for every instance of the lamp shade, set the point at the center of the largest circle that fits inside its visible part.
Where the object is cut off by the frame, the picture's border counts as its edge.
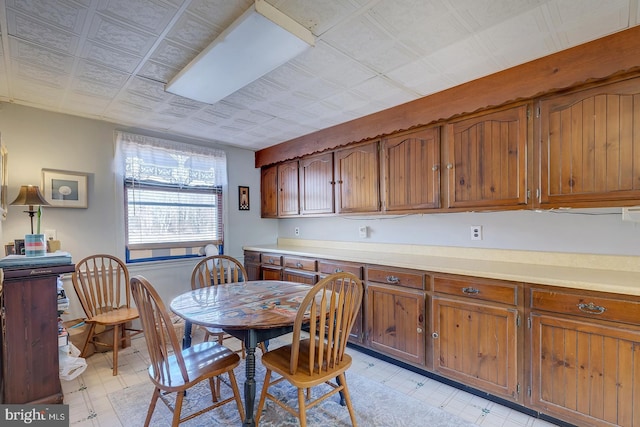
(30, 195)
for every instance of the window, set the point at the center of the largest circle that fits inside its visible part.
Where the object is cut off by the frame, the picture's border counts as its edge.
(172, 197)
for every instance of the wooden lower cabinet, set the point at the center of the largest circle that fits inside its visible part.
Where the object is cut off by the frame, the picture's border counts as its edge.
(252, 265)
(396, 321)
(476, 344)
(585, 373)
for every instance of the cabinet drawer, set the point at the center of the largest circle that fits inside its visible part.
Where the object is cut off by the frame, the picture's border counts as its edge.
(299, 263)
(271, 259)
(496, 291)
(252, 257)
(580, 304)
(327, 267)
(407, 278)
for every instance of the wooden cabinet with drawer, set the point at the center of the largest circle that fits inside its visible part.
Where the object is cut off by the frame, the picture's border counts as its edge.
(326, 267)
(476, 334)
(584, 355)
(271, 266)
(395, 313)
(299, 269)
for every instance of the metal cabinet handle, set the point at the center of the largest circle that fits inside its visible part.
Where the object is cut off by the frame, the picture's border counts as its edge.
(434, 168)
(419, 330)
(435, 335)
(271, 261)
(470, 291)
(449, 166)
(338, 270)
(298, 264)
(591, 308)
(393, 279)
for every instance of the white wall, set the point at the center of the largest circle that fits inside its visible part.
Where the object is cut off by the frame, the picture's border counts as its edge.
(593, 231)
(37, 139)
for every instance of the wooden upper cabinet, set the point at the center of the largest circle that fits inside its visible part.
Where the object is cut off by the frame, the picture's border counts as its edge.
(357, 179)
(487, 160)
(411, 170)
(590, 146)
(269, 192)
(288, 200)
(316, 184)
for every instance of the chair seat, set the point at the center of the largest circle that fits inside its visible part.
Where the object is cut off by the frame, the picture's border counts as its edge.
(115, 317)
(279, 360)
(200, 359)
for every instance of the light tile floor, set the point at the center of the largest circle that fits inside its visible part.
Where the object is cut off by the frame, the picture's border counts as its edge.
(90, 407)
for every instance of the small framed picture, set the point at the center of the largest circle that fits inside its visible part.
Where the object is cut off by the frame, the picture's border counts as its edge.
(18, 246)
(243, 198)
(9, 249)
(64, 189)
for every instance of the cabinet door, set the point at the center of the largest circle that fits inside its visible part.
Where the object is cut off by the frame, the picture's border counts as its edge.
(590, 146)
(586, 373)
(271, 273)
(269, 192)
(396, 322)
(326, 267)
(288, 201)
(299, 276)
(411, 171)
(316, 184)
(476, 344)
(487, 160)
(357, 179)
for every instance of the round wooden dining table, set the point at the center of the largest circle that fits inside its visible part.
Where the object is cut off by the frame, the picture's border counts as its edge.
(253, 311)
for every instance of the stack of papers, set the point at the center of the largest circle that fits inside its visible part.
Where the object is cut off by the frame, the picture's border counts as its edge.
(53, 258)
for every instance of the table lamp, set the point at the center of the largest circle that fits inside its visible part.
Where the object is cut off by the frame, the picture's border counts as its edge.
(30, 195)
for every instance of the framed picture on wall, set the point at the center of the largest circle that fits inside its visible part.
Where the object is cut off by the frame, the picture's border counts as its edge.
(64, 189)
(243, 198)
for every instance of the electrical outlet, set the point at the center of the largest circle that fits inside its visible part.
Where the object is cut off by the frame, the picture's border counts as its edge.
(364, 232)
(476, 232)
(296, 231)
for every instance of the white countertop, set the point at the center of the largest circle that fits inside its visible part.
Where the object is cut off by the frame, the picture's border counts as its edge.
(606, 273)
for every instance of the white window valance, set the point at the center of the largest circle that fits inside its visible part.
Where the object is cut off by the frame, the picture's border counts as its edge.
(159, 161)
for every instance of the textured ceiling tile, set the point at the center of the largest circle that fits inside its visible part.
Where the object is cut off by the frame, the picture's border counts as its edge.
(148, 15)
(40, 55)
(464, 61)
(421, 77)
(368, 43)
(381, 90)
(479, 14)
(289, 76)
(223, 109)
(92, 88)
(26, 28)
(141, 101)
(159, 72)
(39, 73)
(148, 88)
(600, 17)
(101, 74)
(423, 26)
(220, 13)
(328, 63)
(119, 35)
(173, 55)
(317, 16)
(110, 56)
(59, 13)
(194, 32)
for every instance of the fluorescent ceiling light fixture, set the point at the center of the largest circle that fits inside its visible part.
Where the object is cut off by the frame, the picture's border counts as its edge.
(261, 40)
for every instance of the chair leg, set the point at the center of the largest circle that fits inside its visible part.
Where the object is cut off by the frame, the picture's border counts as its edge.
(89, 339)
(263, 395)
(302, 408)
(347, 399)
(177, 409)
(152, 406)
(236, 394)
(116, 342)
(212, 387)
